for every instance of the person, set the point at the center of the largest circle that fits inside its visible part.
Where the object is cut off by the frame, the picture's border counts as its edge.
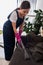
(15, 20)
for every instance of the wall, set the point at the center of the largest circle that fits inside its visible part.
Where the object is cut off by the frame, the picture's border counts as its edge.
(39, 4)
(6, 6)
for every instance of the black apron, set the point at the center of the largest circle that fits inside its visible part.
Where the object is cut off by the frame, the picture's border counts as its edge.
(9, 36)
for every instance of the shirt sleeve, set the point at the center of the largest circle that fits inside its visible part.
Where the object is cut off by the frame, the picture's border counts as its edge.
(13, 17)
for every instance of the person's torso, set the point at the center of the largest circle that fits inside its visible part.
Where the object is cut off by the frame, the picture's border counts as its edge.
(19, 20)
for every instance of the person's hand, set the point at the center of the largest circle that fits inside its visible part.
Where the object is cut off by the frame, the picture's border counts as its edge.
(18, 38)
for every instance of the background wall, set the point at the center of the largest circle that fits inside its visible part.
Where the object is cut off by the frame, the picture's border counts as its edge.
(39, 4)
(6, 6)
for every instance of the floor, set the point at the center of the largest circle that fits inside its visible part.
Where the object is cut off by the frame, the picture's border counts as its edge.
(2, 61)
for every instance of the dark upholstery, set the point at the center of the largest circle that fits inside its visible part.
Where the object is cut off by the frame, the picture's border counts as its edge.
(18, 59)
(34, 47)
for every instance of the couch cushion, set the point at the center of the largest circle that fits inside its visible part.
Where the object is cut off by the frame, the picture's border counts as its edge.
(18, 59)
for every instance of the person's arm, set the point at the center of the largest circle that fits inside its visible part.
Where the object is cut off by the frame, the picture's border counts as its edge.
(13, 19)
(16, 33)
(14, 27)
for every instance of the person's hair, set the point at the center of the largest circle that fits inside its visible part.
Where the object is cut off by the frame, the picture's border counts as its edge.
(25, 5)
